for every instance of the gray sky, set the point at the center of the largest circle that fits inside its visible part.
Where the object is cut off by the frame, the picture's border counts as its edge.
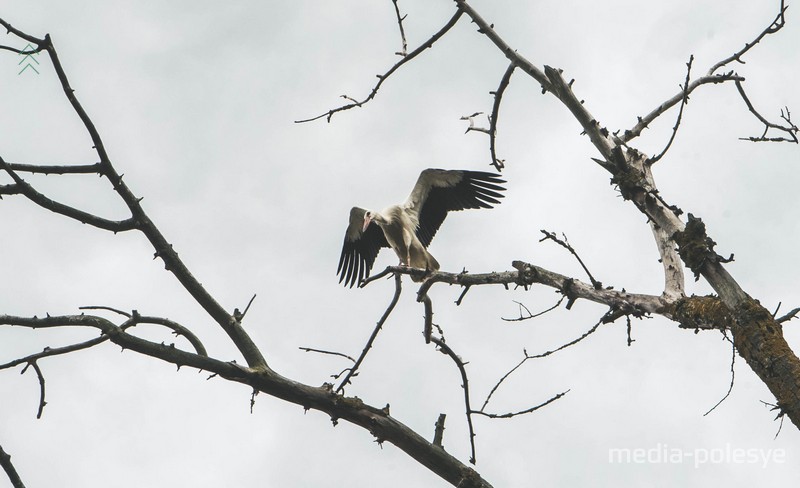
(196, 101)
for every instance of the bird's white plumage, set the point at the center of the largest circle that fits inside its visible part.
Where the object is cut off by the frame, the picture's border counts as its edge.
(409, 228)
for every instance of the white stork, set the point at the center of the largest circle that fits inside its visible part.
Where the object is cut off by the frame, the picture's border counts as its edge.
(409, 228)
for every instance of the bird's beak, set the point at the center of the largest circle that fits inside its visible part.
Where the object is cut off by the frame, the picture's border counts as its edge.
(367, 220)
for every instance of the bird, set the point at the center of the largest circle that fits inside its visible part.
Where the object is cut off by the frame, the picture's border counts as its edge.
(408, 228)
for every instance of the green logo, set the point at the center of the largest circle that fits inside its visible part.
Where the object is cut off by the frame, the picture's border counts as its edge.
(28, 59)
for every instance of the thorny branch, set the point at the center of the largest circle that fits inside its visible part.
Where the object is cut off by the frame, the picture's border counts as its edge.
(40, 376)
(354, 369)
(565, 244)
(381, 78)
(447, 350)
(322, 351)
(791, 129)
(533, 315)
(684, 101)
(400, 19)
(521, 412)
(710, 77)
(376, 420)
(498, 96)
(537, 356)
(139, 220)
(11, 471)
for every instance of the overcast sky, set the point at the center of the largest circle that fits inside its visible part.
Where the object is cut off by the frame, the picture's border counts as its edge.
(195, 102)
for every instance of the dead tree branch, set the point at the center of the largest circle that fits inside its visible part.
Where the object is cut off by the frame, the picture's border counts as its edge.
(533, 315)
(354, 369)
(733, 377)
(381, 78)
(521, 412)
(400, 19)
(710, 77)
(684, 101)
(139, 219)
(447, 350)
(791, 129)
(40, 376)
(565, 244)
(375, 420)
(11, 471)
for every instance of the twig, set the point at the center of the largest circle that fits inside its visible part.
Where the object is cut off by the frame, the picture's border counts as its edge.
(774, 27)
(103, 307)
(321, 351)
(521, 412)
(498, 96)
(643, 122)
(465, 385)
(65, 210)
(400, 20)
(463, 293)
(55, 351)
(398, 288)
(428, 328)
(541, 355)
(565, 244)
(176, 328)
(240, 315)
(8, 467)
(684, 101)
(781, 414)
(381, 78)
(733, 376)
(51, 169)
(530, 315)
(710, 77)
(791, 129)
(40, 376)
(788, 316)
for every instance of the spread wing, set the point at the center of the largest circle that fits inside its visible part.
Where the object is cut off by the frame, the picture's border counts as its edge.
(440, 191)
(359, 249)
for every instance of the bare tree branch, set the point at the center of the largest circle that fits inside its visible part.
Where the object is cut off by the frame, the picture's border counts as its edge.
(65, 210)
(684, 101)
(139, 219)
(56, 169)
(774, 27)
(447, 350)
(791, 129)
(521, 412)
(354, 369)
(381, 78)
(733, 377)
(498, 97)
(375, 420)
(40, 376)
(321, 351)
(565, 244)
(400, 19)
(533, 315)
(8, 467)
